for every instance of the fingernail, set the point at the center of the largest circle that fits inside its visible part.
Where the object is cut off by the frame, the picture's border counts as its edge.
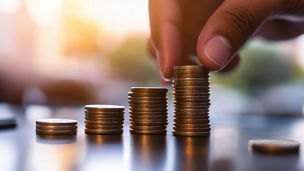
(218, 50)
(161, 66)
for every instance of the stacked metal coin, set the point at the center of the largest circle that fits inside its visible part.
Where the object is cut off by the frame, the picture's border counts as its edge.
(104, 119)
(148, 110)
(56, 126)
(191, 101)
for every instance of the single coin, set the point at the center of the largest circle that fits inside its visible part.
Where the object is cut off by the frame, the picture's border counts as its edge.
(156, 102)
(191, 126)
(200, 103)
(191, 83)
(147, 105)
(182, 116)
(149, 112)
(149, 120)
(275, 145)
(104, 112)
(99, 131)
(191, 134)
(56, 122)
(203, 129)
(96, 107)
(190, 75)
(160, 132)
(149, 89)
(74, 127)
(104, 126)
(103, 123)
(191, 121)
(92, 117)
(148, 116)
(185, 89)
(55, 132)
(181, 100)
(191, 95)
(141, 109)
(191, 111)
(203, 79)
(191, 107)
(159, 95)
(147, 98)
(140, 127)
(138, 123)
(190, 67)
(179, 72)
(104, 119)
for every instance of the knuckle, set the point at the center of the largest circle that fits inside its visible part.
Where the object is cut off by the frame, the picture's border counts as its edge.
(241, 18)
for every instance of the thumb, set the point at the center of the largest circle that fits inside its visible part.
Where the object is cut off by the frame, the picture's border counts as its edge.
(228, 29)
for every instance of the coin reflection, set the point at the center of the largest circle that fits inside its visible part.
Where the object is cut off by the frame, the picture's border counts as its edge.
(55, 139)
(148, 152)
(103, 139)
(191, 153)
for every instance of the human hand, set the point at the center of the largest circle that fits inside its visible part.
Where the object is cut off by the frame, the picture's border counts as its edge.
(215, 30)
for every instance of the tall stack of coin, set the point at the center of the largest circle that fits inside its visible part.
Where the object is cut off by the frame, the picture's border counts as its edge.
(104, 119)
(148, 110)
(191, 101)
(56, 126)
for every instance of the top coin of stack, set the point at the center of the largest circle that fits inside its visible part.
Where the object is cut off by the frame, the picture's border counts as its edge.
(56, 126)
(148, 110)
(191, 101)
(104, 119)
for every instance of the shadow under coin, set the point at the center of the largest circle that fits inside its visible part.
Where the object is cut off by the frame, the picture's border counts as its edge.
(148, 152)
(56, 139)
(191, 153)
(269, 161)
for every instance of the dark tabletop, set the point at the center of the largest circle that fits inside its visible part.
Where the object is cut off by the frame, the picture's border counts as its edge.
(225, 149)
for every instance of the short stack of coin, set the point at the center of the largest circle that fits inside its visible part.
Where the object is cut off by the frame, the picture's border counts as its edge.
(191, 101)
(148, 110)
(56, 126)
(104, 119)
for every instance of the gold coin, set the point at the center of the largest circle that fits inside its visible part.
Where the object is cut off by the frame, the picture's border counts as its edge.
(147, 98)
(104, 116)
(56, 122)
(148, 116)
(106, 127)
(109, 108)
(191, 126)
(142, 123)
(191, 121)
(194, 116)
(103, 122)
(190, 83)
(140, 127)
(275, 146)
(149, 90)
(159, 95)
(183, 129)
(105, 119)
(56, 132)
(190, 75)
(74, 127)
(146, 109)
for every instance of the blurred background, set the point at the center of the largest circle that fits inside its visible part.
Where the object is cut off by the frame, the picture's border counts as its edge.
(76, 52)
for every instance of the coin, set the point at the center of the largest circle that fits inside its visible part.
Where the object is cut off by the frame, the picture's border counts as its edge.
(183, 116)
(142, 123)
(97, 107)
(104, 119)
(159, 95)
(149, 90)
(181, 100)
(100, 131)
(275, 146)
(137, 127)
(203, 129)
(148, 116)
(191, 126)
(148, 120)
(103, 123)
(135, 109)
(190, 75)
(190, 83)
(106, 127)
(55, 132)
(191, 95)
(156, 102)
(200, 103)
(191, 121)
(191, 79)
(191, 134)
(57, 127)
(148, 105)
(103, 116)
(161, 132)
(56, 122)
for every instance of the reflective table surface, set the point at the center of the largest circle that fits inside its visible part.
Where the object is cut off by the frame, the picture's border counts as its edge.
(226, 148)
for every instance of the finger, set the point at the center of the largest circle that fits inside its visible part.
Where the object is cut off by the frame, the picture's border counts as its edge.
(280, 29)
(151, 48)
(228, 29)
(233, 64)
(164, 21)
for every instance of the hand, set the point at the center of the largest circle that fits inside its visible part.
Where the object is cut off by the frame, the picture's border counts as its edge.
(215, 30)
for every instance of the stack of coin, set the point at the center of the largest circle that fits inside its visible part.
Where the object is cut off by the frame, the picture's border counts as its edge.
(56, 126)
(148, 110)
(191, 101)
(104, 119)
